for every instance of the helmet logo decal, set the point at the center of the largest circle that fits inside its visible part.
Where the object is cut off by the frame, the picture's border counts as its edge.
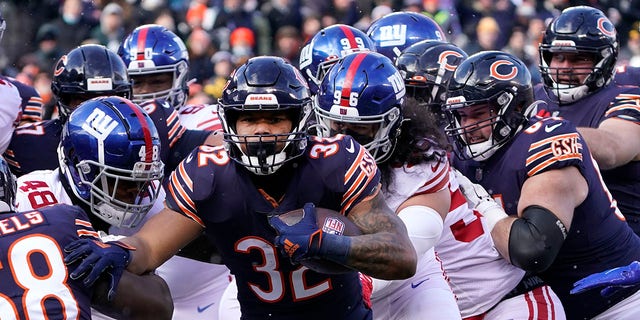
(398, 84)
(150, 151)
(605, 26)
(99, 125)
(346, 97)
(306, 56)
(503, 76)
(142, 40)
(261, 99)
(60, 66)
(99, 84)
(394, 35)
(349, 41)
(442, 59)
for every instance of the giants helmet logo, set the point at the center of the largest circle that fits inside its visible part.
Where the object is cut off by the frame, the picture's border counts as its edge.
(501, 75)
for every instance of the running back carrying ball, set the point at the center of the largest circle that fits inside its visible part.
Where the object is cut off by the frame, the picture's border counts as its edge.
(315, 238)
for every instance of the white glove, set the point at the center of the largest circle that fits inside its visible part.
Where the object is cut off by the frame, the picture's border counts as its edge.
(480, 200)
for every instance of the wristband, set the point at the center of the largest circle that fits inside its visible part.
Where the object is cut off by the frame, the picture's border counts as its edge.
(334, 248)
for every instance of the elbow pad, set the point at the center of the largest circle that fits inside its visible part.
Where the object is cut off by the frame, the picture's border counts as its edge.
(535, 239)
(424, 226)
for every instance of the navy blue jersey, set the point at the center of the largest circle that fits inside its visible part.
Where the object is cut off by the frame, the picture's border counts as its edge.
(31, 101)
(34, 146)
(598, 238)
(35, 280)
(219, 194)
(612, 101)
(627, 75)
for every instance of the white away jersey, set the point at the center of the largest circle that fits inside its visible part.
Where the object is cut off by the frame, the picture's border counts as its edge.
(478, 274)
(200, 117)
(10, 112)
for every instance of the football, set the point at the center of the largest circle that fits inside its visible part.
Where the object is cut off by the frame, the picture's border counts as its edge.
(329, 221)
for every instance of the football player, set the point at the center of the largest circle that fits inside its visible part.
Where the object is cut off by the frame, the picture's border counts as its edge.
(158, 64)
(485, 284)
(361, 96)
(109, 165)
(562, 223)
(35, 281)
(270, 166)
(578, 54)
(31, 102)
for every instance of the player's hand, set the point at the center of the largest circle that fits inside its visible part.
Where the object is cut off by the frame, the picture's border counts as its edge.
(611, 280)
(479, 200)
(301, 240)
(97, 257)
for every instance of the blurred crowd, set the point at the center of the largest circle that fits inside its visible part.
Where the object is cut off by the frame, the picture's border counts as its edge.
(221, 34)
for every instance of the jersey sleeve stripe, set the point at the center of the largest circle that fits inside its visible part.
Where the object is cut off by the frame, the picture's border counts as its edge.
(88, 233)
(550, 161)
(354, 166)
(84, 223)
(437, 183)
(634, 107)
(179, 190)
(536, 156)
(185, 177)
(626, 96)
(180, 201)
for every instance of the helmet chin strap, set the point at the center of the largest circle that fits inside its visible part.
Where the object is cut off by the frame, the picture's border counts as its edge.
(264, 154)
(568, 94)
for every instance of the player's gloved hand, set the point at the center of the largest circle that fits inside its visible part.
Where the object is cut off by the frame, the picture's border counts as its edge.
(301, 240)
(304, 240)
(367, 288)
(480, 200)
(612, 280)
(97, 257)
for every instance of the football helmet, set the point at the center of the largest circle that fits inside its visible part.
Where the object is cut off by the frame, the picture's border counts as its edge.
(152, 49)
(498, 81)
(7, 188)
(86, 72)
(396, 31)
(365, 90)
(326, 47)
(579, 30)
(265, 83)
(109, 153)
(426, 67)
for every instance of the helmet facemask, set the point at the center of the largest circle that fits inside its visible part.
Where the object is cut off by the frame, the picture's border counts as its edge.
(177, 92)
(264, 154)
(97, 185)
(562, 81)
(503, 118)
(385, 128)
